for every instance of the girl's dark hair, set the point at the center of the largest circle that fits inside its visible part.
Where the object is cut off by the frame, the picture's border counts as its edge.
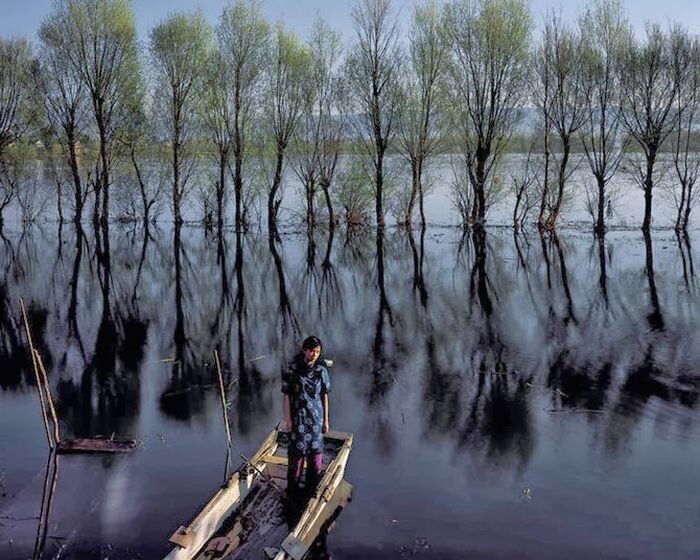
(311, 342)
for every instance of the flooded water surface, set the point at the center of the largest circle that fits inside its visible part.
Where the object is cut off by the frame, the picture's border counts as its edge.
(510, 396)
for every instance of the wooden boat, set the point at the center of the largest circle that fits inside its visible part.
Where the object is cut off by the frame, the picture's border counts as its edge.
(247, 518)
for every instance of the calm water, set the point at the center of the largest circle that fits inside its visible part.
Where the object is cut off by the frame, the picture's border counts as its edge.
(510, 397)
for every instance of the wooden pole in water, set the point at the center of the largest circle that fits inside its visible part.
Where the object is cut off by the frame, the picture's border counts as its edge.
(47, 389)
(46, 501)
(223, 397)
(39, 383)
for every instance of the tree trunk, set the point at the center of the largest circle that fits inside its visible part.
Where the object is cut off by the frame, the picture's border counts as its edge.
(380, 188)
(414, 193)
(77, 186)
(689, 199)
(272, 197)
(238, 191)
(104, 172)
(475, 204)
(681, 207)
(648, 187)
(176, 177)
(326, 191)
(237, 151)
(561, 184)
(600, 223)
(220, 190)
(421, 198)
(686, 239)
(482, 155)
(59, 184)
(96, 207)
(310, 212)
(541, 221)
(516, 208)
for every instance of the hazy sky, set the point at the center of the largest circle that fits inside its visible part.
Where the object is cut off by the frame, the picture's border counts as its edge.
(24, 16)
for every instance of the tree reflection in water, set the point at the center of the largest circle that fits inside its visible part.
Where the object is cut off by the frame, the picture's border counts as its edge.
(479, 340)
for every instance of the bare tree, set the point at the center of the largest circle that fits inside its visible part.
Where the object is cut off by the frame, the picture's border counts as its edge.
(541, 93)
(686, 156)
(180, 48)
(560, 97)
(217, 113)
(523, 178)
(138, 142)
(461, 192)
(65, 102)
(372, 73)
(102, 49)
(242, 34)
(16, 105)
(605, 32)
(354, 192)
(286, 90)
(650, 86)
(318, 139)
(331, 113)
(487, 75)
(32, 196)
(420, 133)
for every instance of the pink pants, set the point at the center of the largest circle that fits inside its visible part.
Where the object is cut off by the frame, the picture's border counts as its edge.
(313, 469)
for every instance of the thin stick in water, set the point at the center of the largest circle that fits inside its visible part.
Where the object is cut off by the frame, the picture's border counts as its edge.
(39, 384)
(47, 390)
(223, 397)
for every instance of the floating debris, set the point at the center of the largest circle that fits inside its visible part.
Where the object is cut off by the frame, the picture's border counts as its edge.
(574, 409)
(422, 543)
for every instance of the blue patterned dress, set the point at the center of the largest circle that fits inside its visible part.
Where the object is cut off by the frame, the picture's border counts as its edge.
(306, 387)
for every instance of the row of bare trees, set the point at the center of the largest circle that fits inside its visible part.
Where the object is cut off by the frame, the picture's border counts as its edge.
(626, 101)
(258, 105)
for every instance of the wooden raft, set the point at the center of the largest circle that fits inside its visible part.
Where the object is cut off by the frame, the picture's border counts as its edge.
(246, 519)
(96, 445)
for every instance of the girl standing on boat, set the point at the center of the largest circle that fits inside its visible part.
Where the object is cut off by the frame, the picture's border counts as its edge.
(305, 385)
